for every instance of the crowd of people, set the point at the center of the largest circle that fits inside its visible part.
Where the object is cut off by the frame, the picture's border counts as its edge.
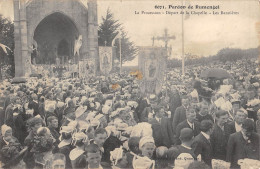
(106, 122)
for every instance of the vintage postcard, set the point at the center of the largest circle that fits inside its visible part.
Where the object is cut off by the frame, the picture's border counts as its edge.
(136, 84)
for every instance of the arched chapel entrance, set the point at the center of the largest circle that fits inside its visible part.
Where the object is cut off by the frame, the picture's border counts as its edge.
(55, 36)
(53, 26)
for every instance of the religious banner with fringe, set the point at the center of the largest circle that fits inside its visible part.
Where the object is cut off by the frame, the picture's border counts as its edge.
(105, 59)
(152, 64)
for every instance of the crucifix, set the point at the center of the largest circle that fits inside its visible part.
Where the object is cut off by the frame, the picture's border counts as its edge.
(166, 38)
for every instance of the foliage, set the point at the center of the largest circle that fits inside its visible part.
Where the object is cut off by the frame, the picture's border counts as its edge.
(7, 38)
(109, 30)
(224, 55)
(128, 49)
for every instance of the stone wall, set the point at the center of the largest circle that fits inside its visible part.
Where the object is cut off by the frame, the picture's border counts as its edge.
(37, 10)
(29, 14)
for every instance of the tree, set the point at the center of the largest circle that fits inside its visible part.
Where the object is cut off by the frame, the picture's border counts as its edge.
(108, 31)
(128, 49)
(7, 38)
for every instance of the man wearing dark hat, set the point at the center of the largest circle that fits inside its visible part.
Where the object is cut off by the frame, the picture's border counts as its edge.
(243, 144)
(201, 143)
(186, 137)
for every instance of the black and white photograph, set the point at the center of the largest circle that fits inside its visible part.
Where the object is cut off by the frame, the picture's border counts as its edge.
(129, 84)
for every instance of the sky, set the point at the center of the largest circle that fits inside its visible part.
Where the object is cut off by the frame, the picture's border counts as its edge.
(204, 35)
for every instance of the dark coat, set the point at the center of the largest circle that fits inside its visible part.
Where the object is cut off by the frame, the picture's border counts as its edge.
(174, 103)
(19, 130)
(29, 156)
(2, 116)
(179, 116)
(55, 134)
(69, 110)
(239, 148)
(6, 102)
(219, 140)
(175, 151)
(66, 151)
(202, 146)
(41, 110)
(110, 144)
(130, 158)
(162, 132)
(257, 126)
(230, 128)
(9, 152)
(142, 104)
(2, 142)
(9, 115)
(35, 106)
(183, 125)
(144, 115)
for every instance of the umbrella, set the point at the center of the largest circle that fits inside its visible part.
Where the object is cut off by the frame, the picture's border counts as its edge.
(215, 73)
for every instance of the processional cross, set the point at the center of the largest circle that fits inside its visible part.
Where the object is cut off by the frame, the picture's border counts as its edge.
(166, 38)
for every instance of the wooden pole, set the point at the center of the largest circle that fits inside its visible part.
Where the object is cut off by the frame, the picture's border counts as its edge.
(183, 58)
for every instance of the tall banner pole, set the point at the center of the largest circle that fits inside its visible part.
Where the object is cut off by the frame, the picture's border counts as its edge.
(182, 27)
(120, 54)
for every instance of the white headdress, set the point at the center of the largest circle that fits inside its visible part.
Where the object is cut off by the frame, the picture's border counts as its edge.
(5, 128)
(143, 163)
(116, 155)
(145, 140)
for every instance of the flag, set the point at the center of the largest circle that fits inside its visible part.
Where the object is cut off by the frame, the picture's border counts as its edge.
(35, 45)
(4, 47)
(78, 43)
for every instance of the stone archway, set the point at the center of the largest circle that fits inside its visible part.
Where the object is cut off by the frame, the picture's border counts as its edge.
(30, 19)
(55, 36)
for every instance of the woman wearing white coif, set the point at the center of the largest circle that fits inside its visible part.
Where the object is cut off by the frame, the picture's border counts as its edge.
(65, 145)
(77, 157)
(147, 147)
(118, 158)
(9, 146)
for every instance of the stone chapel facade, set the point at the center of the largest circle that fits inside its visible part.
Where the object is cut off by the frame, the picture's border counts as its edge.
(54, 25)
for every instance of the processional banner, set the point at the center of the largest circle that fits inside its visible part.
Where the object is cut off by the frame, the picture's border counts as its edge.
(152, 64)
(105, 59)
(90, 67)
